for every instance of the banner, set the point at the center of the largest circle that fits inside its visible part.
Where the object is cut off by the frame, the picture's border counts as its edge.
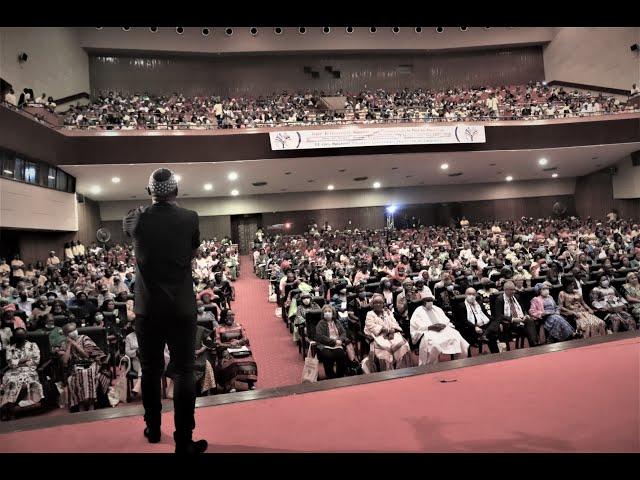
(376, 136)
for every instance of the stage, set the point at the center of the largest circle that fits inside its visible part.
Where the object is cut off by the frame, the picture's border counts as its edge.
(571, 397)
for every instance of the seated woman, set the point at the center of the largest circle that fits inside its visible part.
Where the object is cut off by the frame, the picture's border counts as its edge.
(59, 309)
(47, 324)
(88, 376)
(332, 342)
(123, 297)
(607, 300)
(203, 371)
(20, 380)
(632, 294)
(388, 347)
(236, 369)
(544, 309)
(436, 334)
(306, 303)
(572, 304)
(85, 309)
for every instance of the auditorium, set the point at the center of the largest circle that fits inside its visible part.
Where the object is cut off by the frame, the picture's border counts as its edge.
(319, 239)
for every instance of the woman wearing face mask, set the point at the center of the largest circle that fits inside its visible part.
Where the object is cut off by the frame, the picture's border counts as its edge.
(573, 305)
(57, 339)
(20, 383)
(83, 362)
(332, 340)
(386, 292)
(544, 309)
(305, 305)
(632, 294)
(607, 300)
(236, 368)
(389, 347)
(431, 328)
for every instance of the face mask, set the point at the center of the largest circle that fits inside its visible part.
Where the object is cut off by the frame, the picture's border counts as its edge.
(327, 315)
(306, 301)
(471, 298)
(604, 283)
(73, 335)
(49, 326)
(387, 285)
(450, 288)
(544, 292)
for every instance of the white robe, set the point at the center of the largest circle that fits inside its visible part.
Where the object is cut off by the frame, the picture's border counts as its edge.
(447, 340)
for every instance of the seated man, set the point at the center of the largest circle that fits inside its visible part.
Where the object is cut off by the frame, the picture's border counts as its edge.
(511, 316)
(482, 327)
(236, 368)
(389, 347)
(436, 334)
(87, 374)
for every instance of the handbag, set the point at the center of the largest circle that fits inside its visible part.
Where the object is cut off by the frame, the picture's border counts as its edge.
(278, 311)
(121, 383)
(310, 370)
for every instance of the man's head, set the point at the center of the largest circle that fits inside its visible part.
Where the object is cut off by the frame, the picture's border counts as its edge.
(509, 288)
(470, 294)
(163, 185)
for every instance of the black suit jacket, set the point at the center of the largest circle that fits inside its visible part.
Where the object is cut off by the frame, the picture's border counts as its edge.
(498, 313)
(164, 237)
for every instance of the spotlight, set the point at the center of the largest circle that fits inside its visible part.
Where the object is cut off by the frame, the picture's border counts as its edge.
(278, 30)
(115, 179)
(228, 32)
(330, 187)
(208, 186)
(444, 166)
(302, 30)
(392, 209)
(205, 31)
(326, 30)
(232, 176)
(439, 29)
(235, 192)
(287, 225)
(543, 161)
(253, 31)
(376, 184)
(509, 178)
(179, 30)
(373, 29)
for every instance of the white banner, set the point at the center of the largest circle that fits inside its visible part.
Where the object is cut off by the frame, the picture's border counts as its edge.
(372, 137)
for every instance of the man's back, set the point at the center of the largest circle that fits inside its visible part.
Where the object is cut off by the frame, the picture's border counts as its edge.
(164, 236)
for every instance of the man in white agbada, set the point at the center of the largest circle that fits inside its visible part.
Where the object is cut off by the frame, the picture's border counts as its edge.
(431, 327)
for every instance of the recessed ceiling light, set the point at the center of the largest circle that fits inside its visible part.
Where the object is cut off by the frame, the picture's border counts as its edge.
(376, 184)
(287, 173)
(394, 168)
(444, 166)
(329, 187)
(208, 186)
(178, 178)
(509, 178)
(9, 172)
(95, 189)
(555, 175)
(232, 176)
(543, 161)
(235, 192)
(51, 177)
(115, 179)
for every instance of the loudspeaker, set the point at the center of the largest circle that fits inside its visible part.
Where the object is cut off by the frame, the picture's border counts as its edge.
(635, 159)
(635, 47)
(80, 197)
(23, 57)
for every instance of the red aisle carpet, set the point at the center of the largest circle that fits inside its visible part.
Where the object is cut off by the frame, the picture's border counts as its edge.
(279, 362)
(578, 400)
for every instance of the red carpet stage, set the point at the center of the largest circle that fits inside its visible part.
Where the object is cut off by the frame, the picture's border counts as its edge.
(582, 399)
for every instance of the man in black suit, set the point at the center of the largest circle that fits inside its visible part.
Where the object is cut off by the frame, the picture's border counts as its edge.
(478, 325)
(511, 315)
(166, 238)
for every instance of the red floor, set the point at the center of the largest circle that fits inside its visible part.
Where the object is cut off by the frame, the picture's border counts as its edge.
(578, 400)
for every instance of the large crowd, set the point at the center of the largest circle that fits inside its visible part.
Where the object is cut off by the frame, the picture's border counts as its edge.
(380, 300)
(68, 339)
(536, 100)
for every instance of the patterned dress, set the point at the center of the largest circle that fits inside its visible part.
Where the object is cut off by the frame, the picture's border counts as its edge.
(633, 292)
(22, 376)
(87, 376)
(607, 298)
(234, 371)
(555, 324)
(587, 323)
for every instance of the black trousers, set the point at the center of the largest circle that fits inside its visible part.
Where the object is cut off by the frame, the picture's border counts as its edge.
(491, 330)
(330, 357)
(153, 331)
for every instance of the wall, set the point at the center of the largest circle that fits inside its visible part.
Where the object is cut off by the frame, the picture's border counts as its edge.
(192, 40)
(594, 197)
(626, 184)
(261, 75)
(594, 56)
(88, 221)
(356, 198)
(57, 65)
(30, 207)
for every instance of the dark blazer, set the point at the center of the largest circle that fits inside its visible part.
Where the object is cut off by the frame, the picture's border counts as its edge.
(164, 237)
(498, 313)
(322, 334)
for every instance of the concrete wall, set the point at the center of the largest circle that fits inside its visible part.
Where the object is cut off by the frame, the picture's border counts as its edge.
(594, 56)
(30, 207)
(57, 64)
(356, 198)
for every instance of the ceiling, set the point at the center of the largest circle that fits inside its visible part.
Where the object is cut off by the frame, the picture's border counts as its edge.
(393, 170)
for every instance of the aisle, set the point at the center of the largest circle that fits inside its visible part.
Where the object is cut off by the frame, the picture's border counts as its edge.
(279, 362)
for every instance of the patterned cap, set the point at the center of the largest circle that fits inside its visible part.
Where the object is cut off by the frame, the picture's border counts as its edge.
(162, 182)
